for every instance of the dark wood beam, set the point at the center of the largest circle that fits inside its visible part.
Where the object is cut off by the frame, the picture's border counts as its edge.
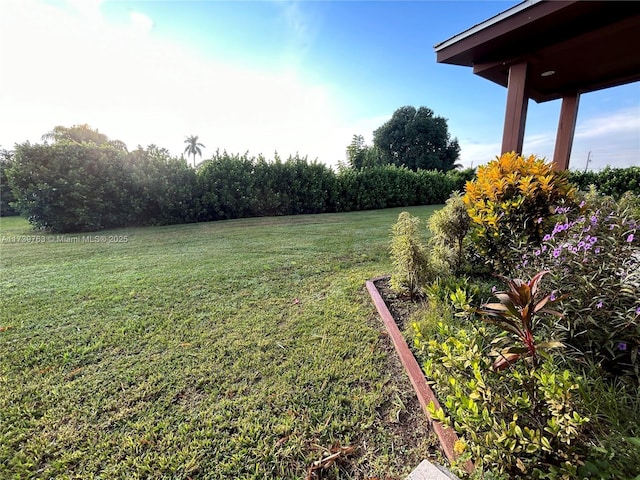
(517, 103)
(566, 130)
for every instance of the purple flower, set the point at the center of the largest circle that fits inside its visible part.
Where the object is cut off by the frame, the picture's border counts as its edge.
(598, 250)
(553, 297)
(539, 219)
(599, 305)
(594, 219)
(537, 253)
(556, 252)
(630, 238)
(582, 204)
(593, 240)
(493, 289)
(638, 311)
(621, 346)
(612, 226)
(546, 238)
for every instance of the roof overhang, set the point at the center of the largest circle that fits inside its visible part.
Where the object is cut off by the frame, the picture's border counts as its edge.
(588, 45)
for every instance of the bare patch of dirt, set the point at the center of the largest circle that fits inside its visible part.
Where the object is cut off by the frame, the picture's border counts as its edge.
(400, 307)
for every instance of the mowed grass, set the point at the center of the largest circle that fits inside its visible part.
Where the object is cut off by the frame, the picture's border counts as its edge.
(236, 349)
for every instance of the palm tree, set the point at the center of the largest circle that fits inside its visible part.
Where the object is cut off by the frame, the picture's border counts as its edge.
(193, 147)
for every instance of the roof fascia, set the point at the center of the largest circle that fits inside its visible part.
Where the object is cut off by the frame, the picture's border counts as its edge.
(486, 24)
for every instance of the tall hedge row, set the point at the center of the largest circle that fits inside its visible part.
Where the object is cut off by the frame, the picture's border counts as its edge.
(6, 195)
(609, 181)
(234, 186)
(72, 187)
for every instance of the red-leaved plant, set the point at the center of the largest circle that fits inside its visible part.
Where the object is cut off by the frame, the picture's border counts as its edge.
(517, 311)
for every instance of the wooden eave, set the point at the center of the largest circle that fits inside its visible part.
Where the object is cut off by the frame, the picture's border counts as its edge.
(589, 45)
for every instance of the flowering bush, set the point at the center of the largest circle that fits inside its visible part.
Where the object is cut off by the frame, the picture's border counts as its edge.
(593, 253)
(509, 205)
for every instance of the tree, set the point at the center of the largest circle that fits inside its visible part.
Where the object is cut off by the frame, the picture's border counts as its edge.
(360, 155)
(81, 134)
(193, 147)
(417, 139)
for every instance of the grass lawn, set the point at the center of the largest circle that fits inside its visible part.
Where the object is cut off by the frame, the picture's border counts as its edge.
(236, 349)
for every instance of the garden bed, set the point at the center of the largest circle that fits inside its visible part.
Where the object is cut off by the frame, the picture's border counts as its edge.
(395, 312)
(532, 330)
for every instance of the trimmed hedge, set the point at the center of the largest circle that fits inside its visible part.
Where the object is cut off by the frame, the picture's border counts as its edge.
(6, 195)
(237, 186)
(72, 187)
(610, 181)
(75, 187)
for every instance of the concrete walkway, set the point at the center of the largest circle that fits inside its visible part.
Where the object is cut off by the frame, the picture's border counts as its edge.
(429, 471)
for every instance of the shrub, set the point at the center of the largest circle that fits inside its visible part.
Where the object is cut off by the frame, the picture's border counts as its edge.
(594, 256)
(614, 436)
(449, 227)
(515, 423)
(408, 256)
(227, 187)
(509, 205)
(517, 313)
(609, 181)
(461, 177)
(73, 187)
(6, 195)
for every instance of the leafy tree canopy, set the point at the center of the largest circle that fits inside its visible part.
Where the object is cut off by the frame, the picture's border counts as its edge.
(81, 134)
(360, 155)
(417, 139)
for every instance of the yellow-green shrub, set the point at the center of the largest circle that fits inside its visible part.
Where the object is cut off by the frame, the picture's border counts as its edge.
(449, 227)
(408, 256)
(509, 203)
(515, 424)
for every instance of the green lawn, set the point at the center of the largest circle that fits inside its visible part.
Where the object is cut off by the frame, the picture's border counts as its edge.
(235, 349)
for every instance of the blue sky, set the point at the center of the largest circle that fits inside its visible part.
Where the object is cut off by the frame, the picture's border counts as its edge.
(291, 76)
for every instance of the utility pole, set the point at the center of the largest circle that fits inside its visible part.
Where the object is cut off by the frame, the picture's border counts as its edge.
(588, 162)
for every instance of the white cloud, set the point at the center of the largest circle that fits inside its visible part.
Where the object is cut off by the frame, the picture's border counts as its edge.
(622, 122)
(62, 68)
